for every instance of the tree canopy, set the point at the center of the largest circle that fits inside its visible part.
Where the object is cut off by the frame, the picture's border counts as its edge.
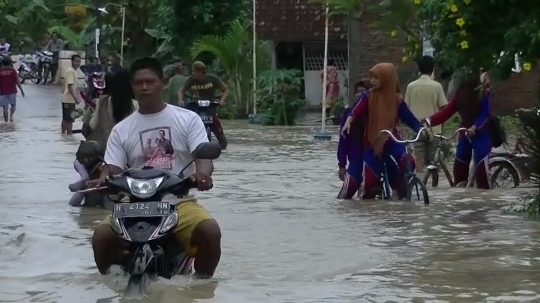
(494, 35)
(152, 27)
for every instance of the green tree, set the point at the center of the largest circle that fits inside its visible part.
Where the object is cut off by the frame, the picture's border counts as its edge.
(352, 10)
(234, 51)
(470, 35)
(196, 18)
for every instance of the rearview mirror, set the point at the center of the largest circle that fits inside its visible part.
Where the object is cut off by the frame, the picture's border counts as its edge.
(207, 151)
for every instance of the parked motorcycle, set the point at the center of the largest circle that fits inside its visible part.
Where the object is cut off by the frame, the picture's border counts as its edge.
(28, 70)
(146, 222)
(45, 59)
(207, 110)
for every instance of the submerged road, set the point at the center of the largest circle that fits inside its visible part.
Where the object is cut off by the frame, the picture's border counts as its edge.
(285, 236)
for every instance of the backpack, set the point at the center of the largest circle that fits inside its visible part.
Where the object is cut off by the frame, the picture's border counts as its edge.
(496, 132)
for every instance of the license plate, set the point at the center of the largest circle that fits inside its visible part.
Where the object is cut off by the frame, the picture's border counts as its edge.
(207, 119)
(141, 209)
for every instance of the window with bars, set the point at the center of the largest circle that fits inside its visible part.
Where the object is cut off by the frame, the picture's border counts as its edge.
(315, 60)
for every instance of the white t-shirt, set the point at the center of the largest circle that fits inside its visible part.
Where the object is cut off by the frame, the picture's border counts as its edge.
(5, 47)
(162, 140)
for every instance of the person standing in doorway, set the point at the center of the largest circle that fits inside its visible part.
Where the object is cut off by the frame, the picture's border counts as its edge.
(425, 97)
(71, 92)
(9, 81)
(332, 84)
(55, 45)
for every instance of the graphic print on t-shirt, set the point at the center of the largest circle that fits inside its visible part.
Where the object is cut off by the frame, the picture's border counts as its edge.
(157, 148)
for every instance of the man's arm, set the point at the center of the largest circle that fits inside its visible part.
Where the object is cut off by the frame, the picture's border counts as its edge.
(18, 82)
(48, 46)
(115, 155)
(441, 98)
(223, 88)
(183, 89)
(196, 133)
(408, 95)
(71, 80)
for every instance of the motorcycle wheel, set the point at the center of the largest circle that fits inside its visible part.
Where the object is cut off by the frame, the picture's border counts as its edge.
(209, 134)
(46, 75)
(136, 285)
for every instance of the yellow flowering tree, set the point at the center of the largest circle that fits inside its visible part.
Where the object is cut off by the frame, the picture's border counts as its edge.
(489, 35)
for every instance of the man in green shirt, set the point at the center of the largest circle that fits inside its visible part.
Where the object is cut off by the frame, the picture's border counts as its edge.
(174, 85)
(203, 86)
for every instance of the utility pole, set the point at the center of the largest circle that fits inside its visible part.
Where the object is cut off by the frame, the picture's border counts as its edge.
(98, 34)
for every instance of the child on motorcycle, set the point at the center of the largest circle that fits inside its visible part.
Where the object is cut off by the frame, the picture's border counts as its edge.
(472, 101)
(382, 107)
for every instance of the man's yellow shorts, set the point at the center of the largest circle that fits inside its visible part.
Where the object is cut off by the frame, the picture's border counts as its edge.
(190, 214)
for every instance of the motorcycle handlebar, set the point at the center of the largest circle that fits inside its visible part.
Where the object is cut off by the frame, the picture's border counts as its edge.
(191, 183)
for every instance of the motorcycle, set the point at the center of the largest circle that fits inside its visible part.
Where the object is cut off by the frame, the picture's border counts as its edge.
(28, 69)
(45, 59)
(94, 82)
(146, 222)
(207, 110)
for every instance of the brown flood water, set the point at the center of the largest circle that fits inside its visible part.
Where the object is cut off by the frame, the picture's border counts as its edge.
(285, 236)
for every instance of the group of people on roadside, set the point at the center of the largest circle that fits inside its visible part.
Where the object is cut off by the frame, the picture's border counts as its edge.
(363, 151)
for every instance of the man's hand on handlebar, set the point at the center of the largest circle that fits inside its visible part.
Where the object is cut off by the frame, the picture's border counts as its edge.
(181, 103)
(204, 181)
(95, 183)
(222, 102)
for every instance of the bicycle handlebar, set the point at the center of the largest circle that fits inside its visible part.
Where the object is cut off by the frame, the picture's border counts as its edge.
(453, 135)
(403, 141)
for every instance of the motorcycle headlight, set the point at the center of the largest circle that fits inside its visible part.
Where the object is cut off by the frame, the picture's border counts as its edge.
(204, 103)
(170, 223)
(143, 188)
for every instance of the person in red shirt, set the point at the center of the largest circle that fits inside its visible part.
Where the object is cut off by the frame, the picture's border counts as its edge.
(9, 81)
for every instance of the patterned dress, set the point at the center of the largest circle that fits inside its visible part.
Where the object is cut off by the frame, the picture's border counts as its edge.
(332, 84)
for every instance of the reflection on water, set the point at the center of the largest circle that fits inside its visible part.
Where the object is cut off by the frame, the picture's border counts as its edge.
(285, 237)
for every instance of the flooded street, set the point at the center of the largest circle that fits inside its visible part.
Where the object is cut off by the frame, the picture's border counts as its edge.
(285, 236)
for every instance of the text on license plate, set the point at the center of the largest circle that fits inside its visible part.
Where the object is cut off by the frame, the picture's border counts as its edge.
(207, 119)
(141, 209)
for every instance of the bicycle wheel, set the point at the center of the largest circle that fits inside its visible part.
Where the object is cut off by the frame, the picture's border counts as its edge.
(503, 175)
(417, 190)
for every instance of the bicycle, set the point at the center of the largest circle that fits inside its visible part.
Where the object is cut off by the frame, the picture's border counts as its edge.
(496, 163)
(411, 182)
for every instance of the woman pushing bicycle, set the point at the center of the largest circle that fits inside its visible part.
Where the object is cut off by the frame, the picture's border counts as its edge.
(381, 108)
(472, 101)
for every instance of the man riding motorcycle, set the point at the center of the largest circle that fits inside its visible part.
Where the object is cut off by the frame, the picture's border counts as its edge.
(135, 142)
(203, 86)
